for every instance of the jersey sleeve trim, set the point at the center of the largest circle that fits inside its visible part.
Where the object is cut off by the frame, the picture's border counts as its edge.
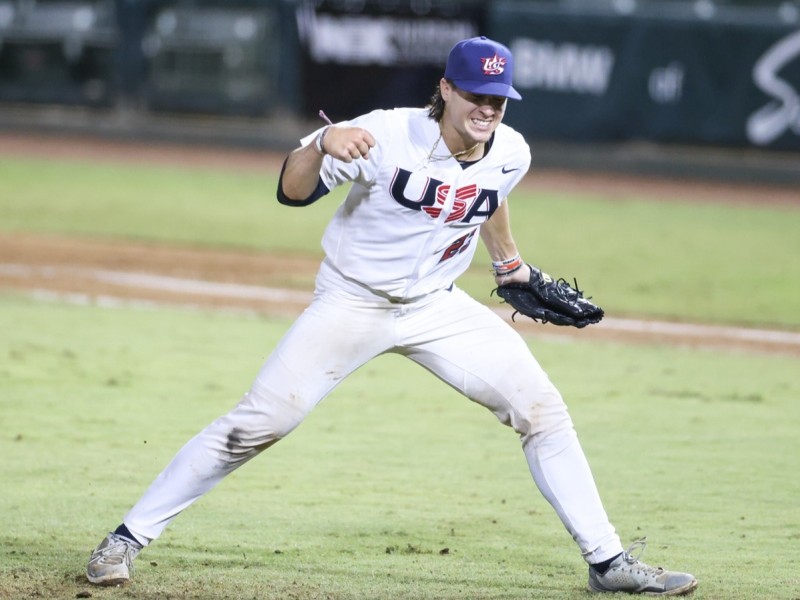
(318, 193)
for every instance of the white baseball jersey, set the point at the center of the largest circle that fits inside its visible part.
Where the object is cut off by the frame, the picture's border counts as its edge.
(410, 222)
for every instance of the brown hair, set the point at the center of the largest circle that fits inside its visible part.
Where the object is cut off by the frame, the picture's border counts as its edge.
(436, 106)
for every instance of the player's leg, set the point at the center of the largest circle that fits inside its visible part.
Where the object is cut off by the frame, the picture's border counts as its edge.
(475, 351)
(331, 339)
(327, 343)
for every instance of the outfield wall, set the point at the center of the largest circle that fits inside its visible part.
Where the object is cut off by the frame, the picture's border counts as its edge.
(663, 73)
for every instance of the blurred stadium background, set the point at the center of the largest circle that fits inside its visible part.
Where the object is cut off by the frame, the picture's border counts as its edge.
(707, 88)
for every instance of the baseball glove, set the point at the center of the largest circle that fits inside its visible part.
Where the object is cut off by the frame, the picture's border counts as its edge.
(550, 301)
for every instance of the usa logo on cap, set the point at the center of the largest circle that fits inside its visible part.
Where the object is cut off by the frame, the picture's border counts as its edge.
(494, 65)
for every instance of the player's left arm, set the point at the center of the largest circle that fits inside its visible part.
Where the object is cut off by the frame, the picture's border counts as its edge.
(528, 290)
(496, 236)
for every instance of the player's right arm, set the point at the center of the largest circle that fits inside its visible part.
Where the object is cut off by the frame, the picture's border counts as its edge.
(300, 182)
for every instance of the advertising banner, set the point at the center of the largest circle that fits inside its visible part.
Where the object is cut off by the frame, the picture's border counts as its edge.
(609, 77)
(365, 55)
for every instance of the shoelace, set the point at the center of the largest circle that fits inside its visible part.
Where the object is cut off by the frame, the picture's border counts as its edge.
(631, 559)
(120, 547)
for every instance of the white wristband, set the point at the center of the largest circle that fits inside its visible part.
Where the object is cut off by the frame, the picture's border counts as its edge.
(319, 140)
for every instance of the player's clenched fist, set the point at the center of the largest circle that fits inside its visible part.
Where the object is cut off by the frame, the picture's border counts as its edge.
(301, 171)
(346, 143)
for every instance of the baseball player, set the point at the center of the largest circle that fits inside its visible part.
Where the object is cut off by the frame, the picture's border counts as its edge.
(425, 183)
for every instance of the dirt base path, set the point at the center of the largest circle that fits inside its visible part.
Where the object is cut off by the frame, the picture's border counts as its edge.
(114, 273)
(109, 272)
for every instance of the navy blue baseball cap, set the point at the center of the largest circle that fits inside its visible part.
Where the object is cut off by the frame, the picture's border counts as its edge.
(482, 66)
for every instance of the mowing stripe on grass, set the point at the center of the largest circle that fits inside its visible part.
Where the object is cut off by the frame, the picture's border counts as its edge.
(269, 294)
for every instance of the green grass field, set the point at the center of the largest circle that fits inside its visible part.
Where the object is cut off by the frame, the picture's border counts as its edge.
(703, 262)
(396, 487)
(697, 450)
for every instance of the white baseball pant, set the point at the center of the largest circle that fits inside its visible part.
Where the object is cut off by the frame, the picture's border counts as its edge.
(449, 333)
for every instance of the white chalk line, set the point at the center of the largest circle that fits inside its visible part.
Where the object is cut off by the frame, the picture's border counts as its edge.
(238, 291)
(157, 282)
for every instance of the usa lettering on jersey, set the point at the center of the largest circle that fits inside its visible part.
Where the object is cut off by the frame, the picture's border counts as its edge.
(470, 200)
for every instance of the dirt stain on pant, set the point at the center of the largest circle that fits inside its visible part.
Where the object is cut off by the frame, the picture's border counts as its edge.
(237, 446)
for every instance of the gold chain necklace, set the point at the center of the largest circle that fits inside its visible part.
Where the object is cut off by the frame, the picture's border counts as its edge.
(432, 158)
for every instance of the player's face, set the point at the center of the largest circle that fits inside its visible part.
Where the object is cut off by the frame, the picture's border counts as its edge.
(473, 117)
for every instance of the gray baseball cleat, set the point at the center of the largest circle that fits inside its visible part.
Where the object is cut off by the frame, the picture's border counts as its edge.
(628, 574)
(112, 561)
